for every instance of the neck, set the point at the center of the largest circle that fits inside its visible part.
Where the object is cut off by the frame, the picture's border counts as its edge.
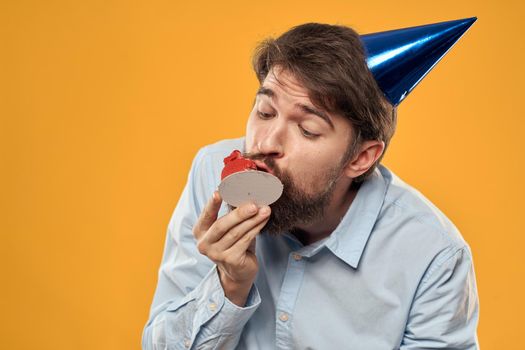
(334, 212)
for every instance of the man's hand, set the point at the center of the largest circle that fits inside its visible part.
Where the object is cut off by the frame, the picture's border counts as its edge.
(230, 243)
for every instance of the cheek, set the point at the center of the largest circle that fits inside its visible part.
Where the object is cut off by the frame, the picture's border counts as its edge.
(311, 169)
(301, 175)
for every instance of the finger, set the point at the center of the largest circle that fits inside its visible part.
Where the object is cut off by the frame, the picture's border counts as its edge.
(230, 220)
(208, 215)
(239, 248)
(241, 229)
(251, 247)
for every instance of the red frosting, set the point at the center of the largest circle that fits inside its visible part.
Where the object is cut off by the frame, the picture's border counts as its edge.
(235, 163)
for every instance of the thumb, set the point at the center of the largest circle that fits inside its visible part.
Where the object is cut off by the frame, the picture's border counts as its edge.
(209, 214)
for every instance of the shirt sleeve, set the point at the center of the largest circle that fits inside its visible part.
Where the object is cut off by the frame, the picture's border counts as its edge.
(189, 308)
(444, 313)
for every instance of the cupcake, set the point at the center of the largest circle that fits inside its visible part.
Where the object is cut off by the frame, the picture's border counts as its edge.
(242, 182)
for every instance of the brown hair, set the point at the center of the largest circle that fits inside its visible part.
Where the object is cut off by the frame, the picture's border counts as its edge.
(329, 60)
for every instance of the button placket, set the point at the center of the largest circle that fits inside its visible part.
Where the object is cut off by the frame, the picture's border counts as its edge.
(292, 282)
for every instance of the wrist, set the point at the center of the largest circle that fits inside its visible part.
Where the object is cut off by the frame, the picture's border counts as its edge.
(236, 292)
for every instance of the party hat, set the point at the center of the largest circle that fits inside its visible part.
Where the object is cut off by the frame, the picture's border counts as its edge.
(400, 59)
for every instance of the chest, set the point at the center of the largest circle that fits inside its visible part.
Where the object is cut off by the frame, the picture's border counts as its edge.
(320, 302)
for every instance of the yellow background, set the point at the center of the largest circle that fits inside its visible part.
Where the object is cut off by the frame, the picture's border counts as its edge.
(103, 105)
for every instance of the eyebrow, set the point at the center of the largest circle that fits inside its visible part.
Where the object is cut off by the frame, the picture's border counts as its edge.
(306, 109)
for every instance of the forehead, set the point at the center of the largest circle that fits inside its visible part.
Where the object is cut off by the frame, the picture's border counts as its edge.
(284, 83)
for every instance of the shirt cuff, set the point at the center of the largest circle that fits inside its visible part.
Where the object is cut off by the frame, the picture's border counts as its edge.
(216, 313)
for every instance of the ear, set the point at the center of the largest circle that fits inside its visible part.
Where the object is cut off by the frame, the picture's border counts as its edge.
(368, 153)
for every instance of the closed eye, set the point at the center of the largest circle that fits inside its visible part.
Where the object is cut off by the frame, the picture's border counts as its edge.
(308, 134)
(263, 115)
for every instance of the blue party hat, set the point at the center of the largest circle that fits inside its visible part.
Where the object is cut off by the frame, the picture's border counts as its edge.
(400, 59)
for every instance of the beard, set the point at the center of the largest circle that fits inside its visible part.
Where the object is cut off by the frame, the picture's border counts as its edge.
(295, 206)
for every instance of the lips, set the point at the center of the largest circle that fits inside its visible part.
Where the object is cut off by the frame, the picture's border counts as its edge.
(263, 167)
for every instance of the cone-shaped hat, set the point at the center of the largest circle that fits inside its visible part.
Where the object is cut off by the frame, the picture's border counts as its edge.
(400, 58)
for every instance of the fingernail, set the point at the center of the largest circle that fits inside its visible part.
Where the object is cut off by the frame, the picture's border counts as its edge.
(264, 211)
(251, 209)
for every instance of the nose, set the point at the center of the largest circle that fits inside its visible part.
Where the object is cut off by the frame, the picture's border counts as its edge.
(271, 141)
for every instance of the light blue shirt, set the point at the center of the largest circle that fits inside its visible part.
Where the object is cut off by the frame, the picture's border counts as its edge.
(395, 274)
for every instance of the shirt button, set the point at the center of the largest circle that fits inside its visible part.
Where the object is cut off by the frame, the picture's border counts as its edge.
(297, 257)
(212, 306)
(284, 317)
(187, 343)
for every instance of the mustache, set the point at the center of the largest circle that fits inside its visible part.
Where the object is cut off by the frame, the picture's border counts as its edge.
(270, 162)
(254, 156)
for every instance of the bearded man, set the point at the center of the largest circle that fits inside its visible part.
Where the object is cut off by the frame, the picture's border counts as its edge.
(349, 257)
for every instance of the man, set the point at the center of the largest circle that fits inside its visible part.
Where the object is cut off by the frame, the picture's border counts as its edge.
(350, 257)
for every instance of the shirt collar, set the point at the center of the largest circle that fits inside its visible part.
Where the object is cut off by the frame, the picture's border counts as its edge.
(349, 239)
